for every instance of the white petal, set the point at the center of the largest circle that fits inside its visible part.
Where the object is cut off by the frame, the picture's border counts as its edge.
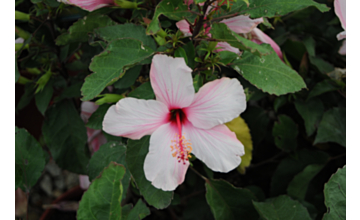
(242, 24)
(184, 27)
(341, 35)
(161, 168)
(342, 49)
(217, 147)
(171, 81)
(87, 108)
(225, 46)
(135, 118)
(217, 102)
(340, 11)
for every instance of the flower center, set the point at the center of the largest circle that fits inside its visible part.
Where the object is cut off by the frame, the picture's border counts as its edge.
(180, 147)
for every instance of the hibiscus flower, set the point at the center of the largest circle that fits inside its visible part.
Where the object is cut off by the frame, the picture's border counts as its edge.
(91, 5)
(241, 24)
(181, 122)
(340, 11)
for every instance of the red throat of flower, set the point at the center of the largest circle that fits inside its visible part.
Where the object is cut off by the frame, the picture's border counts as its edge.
(180, 147)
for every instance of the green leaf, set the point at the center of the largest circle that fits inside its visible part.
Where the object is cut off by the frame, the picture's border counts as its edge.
(29, 159)
(129, 78)
(322, 65)
(227, 57)
(279, 102)
(190, 54)
(311, 111)
(173, 9)
(26, 97)
(144, 91)
(271, 8)
(69, 92)
(197, 82)
(242, 132)
(292, 165)
(65, 135)
(103, 198)
(135, 157)
(109, 65)
(221, 32)
(140, 211)
(109, 152)
(335, 196)
(285, 132)
(228, 202)
(332, 127)
(17, 73)
(79, 31)
(299, 185)
(282, 208)
(96, 118)
(180, 52)
(321, 88)
(269, 73)
(43, 98)
(258, 121)
(128, 30)
(199, 1)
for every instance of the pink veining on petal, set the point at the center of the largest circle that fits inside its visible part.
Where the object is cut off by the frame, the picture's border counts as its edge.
(217, 102)
(184, 27)
(340, 11)
(171, 81)
(91, 5)
(242, 23)
(342, 49)
(260, 37)
(161, 168)
(224, 46)
(135, 118)
(217, 147)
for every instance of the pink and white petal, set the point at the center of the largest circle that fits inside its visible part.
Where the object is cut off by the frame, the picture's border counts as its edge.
(184, 27)
(161, 168)
(84, 182)
(91, 5)
(242, 24)
(262, 37)
(342, 49)
(171, 81)
(217, 102)
(217, 147)
(87, 108)
(96, 139)
(135, 118)
(225, 46)
(340, 11)
(19, 40)
(341, 35)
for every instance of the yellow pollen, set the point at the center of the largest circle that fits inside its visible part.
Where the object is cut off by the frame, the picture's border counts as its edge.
(181, 147)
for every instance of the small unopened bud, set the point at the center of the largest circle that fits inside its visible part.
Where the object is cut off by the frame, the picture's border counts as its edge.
(126, 4)
(212, 45)
(22, 80)
(41, 83)
(21, 16)
(23, 34)
(108, 98)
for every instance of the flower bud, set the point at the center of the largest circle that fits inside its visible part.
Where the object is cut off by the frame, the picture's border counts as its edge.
(41, 83)
(108, 98)
(21, 16)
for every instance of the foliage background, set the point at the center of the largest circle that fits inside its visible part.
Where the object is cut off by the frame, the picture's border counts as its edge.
(298, 139)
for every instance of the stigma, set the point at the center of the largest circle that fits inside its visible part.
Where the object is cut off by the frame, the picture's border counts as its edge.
(180, 147)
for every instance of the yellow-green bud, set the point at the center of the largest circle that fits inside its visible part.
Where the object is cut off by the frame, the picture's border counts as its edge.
(21, 16)
(41, 83)
(108, 98)
(22, 80)
(126, 4)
